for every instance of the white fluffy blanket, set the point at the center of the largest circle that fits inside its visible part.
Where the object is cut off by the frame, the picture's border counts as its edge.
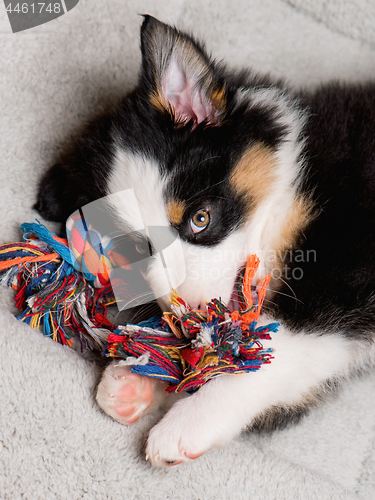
(353, 18)
(55, 443)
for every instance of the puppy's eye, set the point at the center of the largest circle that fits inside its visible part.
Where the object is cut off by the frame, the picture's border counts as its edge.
(199, 221)
(144, 247)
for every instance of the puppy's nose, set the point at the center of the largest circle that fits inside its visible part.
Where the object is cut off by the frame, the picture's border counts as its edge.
(194, 304)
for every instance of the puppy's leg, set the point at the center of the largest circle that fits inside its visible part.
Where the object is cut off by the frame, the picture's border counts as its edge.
(226, 405)
(126, 396)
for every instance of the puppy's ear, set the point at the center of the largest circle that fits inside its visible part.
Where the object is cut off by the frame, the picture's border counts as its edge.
(179, 76)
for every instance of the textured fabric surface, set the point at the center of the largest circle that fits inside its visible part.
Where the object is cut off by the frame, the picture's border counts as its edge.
(354, 18)
(55, 443)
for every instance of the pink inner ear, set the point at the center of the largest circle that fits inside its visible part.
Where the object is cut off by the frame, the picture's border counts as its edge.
(185, 96)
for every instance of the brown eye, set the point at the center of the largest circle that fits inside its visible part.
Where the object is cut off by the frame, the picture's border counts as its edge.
(199, 221)
(143, 247)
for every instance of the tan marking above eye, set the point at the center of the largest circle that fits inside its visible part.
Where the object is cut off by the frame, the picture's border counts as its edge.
(254, 174)
(175, 211)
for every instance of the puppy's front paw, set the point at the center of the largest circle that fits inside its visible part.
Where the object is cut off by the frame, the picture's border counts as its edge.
(180, 436)
(126, 396)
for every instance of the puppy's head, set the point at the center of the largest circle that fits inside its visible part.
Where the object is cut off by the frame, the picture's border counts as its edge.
(214, 157)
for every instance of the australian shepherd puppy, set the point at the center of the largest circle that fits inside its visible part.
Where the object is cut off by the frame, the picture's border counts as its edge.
(237, 164)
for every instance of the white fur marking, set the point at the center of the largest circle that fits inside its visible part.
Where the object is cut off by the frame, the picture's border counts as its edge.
(146, 209)
(142, 175)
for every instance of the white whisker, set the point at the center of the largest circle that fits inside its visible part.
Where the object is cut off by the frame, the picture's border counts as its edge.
(286, 295)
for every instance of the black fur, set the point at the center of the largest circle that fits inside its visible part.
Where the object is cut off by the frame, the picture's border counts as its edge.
(80, 176)
(337, 290)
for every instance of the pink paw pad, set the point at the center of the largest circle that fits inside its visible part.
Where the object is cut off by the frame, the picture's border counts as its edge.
(124, 395)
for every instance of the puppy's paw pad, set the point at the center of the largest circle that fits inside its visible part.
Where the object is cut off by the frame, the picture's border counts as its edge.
(123, 395)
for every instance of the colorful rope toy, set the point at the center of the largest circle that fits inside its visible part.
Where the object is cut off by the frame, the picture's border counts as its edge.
(63, 289)
(55, 294)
